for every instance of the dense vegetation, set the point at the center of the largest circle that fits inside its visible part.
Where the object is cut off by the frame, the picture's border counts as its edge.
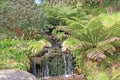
(89, 28)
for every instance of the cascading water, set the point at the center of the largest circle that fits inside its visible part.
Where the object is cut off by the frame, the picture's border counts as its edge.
(34, 68)
(46, 73)
(53, 63)
(67, 65)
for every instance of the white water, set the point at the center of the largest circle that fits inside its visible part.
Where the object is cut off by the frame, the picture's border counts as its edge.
(67, 75)
(65, 65)
(68, 65)
(55, 66)
(46, 69)
(34, 69)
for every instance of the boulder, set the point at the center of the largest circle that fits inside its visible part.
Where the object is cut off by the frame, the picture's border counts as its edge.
(14, 74)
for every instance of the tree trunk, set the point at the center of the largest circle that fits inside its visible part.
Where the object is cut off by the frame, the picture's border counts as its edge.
(101, 3)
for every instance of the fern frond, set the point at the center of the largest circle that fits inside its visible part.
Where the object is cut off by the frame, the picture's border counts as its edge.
(73, 24)
(94, 31)
(115, 44)
(75, 44)
(110, 40)
(114, 30)
(107, 48)
(96, 54)
(83, 45)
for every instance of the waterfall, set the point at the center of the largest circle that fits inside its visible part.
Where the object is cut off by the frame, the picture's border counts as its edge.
(53, 64)
(58, 64)
(34, 68)
(67, 65)
(46, 74)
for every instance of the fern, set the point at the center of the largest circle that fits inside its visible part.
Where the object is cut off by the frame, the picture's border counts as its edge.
(95, 54)
(93, 35)
(73, 24)
(95, 31)
(107, 48)
(114, 30)
(111, 40)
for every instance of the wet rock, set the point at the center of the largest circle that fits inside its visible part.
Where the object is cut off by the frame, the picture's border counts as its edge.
(13, 74)
(72, 77)
(38, 60)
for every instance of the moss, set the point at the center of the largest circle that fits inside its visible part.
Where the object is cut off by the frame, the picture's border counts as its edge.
(70, 44)
(36, 47)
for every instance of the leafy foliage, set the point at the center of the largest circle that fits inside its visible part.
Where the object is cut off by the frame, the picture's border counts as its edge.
(96, 39)
(24, 18)
(12, 54)
(88, 34)
(63, 14)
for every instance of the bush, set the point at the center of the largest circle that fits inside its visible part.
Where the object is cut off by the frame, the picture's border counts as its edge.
(12, 53)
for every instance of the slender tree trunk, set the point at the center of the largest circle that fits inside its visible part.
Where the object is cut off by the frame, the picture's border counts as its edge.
(101, 3)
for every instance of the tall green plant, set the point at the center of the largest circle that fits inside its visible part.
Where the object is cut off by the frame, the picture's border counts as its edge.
(101, 38)
(66, 18)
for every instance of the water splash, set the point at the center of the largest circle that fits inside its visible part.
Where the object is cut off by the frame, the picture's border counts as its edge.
(67, 75)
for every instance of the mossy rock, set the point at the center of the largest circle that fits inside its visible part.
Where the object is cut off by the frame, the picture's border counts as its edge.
(36, 48)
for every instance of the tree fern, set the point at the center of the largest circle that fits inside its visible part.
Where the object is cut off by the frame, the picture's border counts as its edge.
(90, 30)
(94, 38)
